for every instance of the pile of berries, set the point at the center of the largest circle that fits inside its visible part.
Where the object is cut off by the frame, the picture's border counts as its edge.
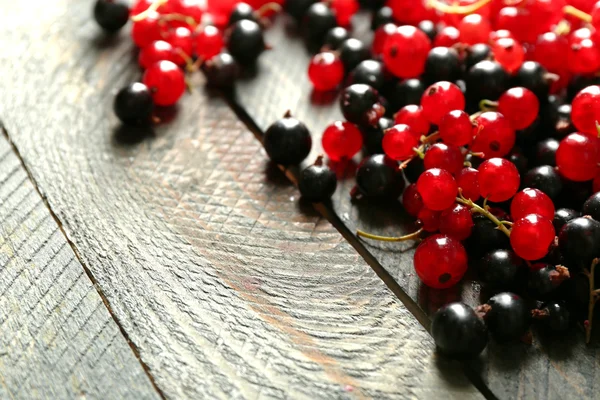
(483, 125)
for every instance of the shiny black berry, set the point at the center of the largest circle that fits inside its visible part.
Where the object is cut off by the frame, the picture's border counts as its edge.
(442, 64)
(383, 16)
(533, 76)
(378, 176)
(507, 316)
(477, 53)
(554, 315)
(373, 135)
(545, 152)
(242, 11)
(111, 15)
(318, 20)
(335, 37)
(246, 42)
(544, 178)
(133, 104)
(591, 206)
(545, 279)
(352, 52)
(458, 331)
(221, 71)
(361, 105)
(580, 82)
(298, 8)
(563, 124)
(485, 237)
(486, 80)
(579, 242)
(317, 183)
(287, 141)
(369, 72)
(502, 269)
(428, 28)
(562, 216)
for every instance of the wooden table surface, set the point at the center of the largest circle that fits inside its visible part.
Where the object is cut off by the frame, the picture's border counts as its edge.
(183, 265)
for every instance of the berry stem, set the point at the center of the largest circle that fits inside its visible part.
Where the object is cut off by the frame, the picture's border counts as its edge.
(165, 19)
(477, 209)
(488, 105)
(570, 10)
(268, 7)
(144, 14)
(592, 301)
(412, 236)
(455, 8)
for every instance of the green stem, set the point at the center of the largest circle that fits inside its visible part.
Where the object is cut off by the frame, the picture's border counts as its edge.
(475, 208)
(412, 236)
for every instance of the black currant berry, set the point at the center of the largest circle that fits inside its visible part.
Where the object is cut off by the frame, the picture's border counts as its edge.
(111, 15)
(502, 269)
(352, 52)
(579, 242)
(405, 93)
(246, 42)
(414, 169)
(507, 316)
(317, 183)
(544, 178)
(428, 28)
(242, 11)
(298, 8)
(373, 135)
(133, 104)
(562, 216)
(545, 152)
(563, 124)
(485, 237)
(574, 194)
(335, 37)
(361, 105)
(533, 76)
(383, 16)
(520, 161)
(372, 4)
(545, 279)
(591, 206)
(486, 80)
(458, 331)
(287, 141)
(477, 53)
(554, 315)
(318, 20)
(221, 71)
(580, 82)
(368, 72)
(378, 176)
(442, 64)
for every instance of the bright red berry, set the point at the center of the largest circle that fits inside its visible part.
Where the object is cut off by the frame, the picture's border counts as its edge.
(456, 222)
(411, 200)
(208, 42)
(189, 8)
(166, 81)
(447, 37)
(520, 106)
(509, 53)
(456, 128)
(531, 236)
(405, 52)
(429, 219)
(146, 31)
(344, 10)
(515, 20)
(220, 10)
(531, 201)
(498, 179)
(583, 57)
(577, 157)
(467, 180)
(446, 157)
(494, 137)
(550, 51)
(399, 142)
(440, 261)
(326, 71)
(413, 116)
(437, 188)
(183, 45)
(411, 12)
(499, 34)
(341, 140)
(585, 110)
(381, 36)
(474, 29)
(155, 52)
(441, 98)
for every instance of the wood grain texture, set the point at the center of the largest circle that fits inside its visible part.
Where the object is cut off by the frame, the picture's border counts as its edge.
(226, 285)
(553, 368)
(57, 339)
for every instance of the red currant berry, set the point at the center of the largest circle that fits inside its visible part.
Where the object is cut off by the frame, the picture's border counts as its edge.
(550, 51)
(577, 157)
(166, 81)
(326, 71)
(183, 45)
(344, 10)
(515, 20)
(447, 37)
(146, 31)
(437, 188)
(220, 10)
(341, 140)
(499, 34)
(583, 57)
(498, 179)
(456, 222)
(456, 128)
(467, 180)
(429, 219)
(585, 110)
(580, 34)
(411, 12)
(411, 200)
(509, 53)
(142, 5)
(446, 157)
(188, 8)
(155, 52)
(495, 136)
(413, 116)
(520, 106)
(208, 42)
(474, 29)
(381, 36)
(399, 142)
(531, 237)
(441, 98)
(405, 52)
(440, 261)
(531, 201)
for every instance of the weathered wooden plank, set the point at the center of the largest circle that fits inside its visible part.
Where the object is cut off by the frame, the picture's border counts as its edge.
(511, 371)
(57, 339)
(228, 287)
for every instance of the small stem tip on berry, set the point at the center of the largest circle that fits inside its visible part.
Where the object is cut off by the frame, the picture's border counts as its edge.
(144, 14)
(455, 8)
(413, 236)
(570, 10)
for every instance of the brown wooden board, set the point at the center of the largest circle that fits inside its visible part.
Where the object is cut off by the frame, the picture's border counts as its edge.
(57, 339)
(553, 369)
(226, 284)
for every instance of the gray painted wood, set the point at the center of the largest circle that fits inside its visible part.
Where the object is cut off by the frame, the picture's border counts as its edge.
(227, 285)
(57, 339)
(556, 368)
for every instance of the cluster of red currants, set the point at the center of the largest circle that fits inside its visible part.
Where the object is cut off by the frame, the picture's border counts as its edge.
(494, 123)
